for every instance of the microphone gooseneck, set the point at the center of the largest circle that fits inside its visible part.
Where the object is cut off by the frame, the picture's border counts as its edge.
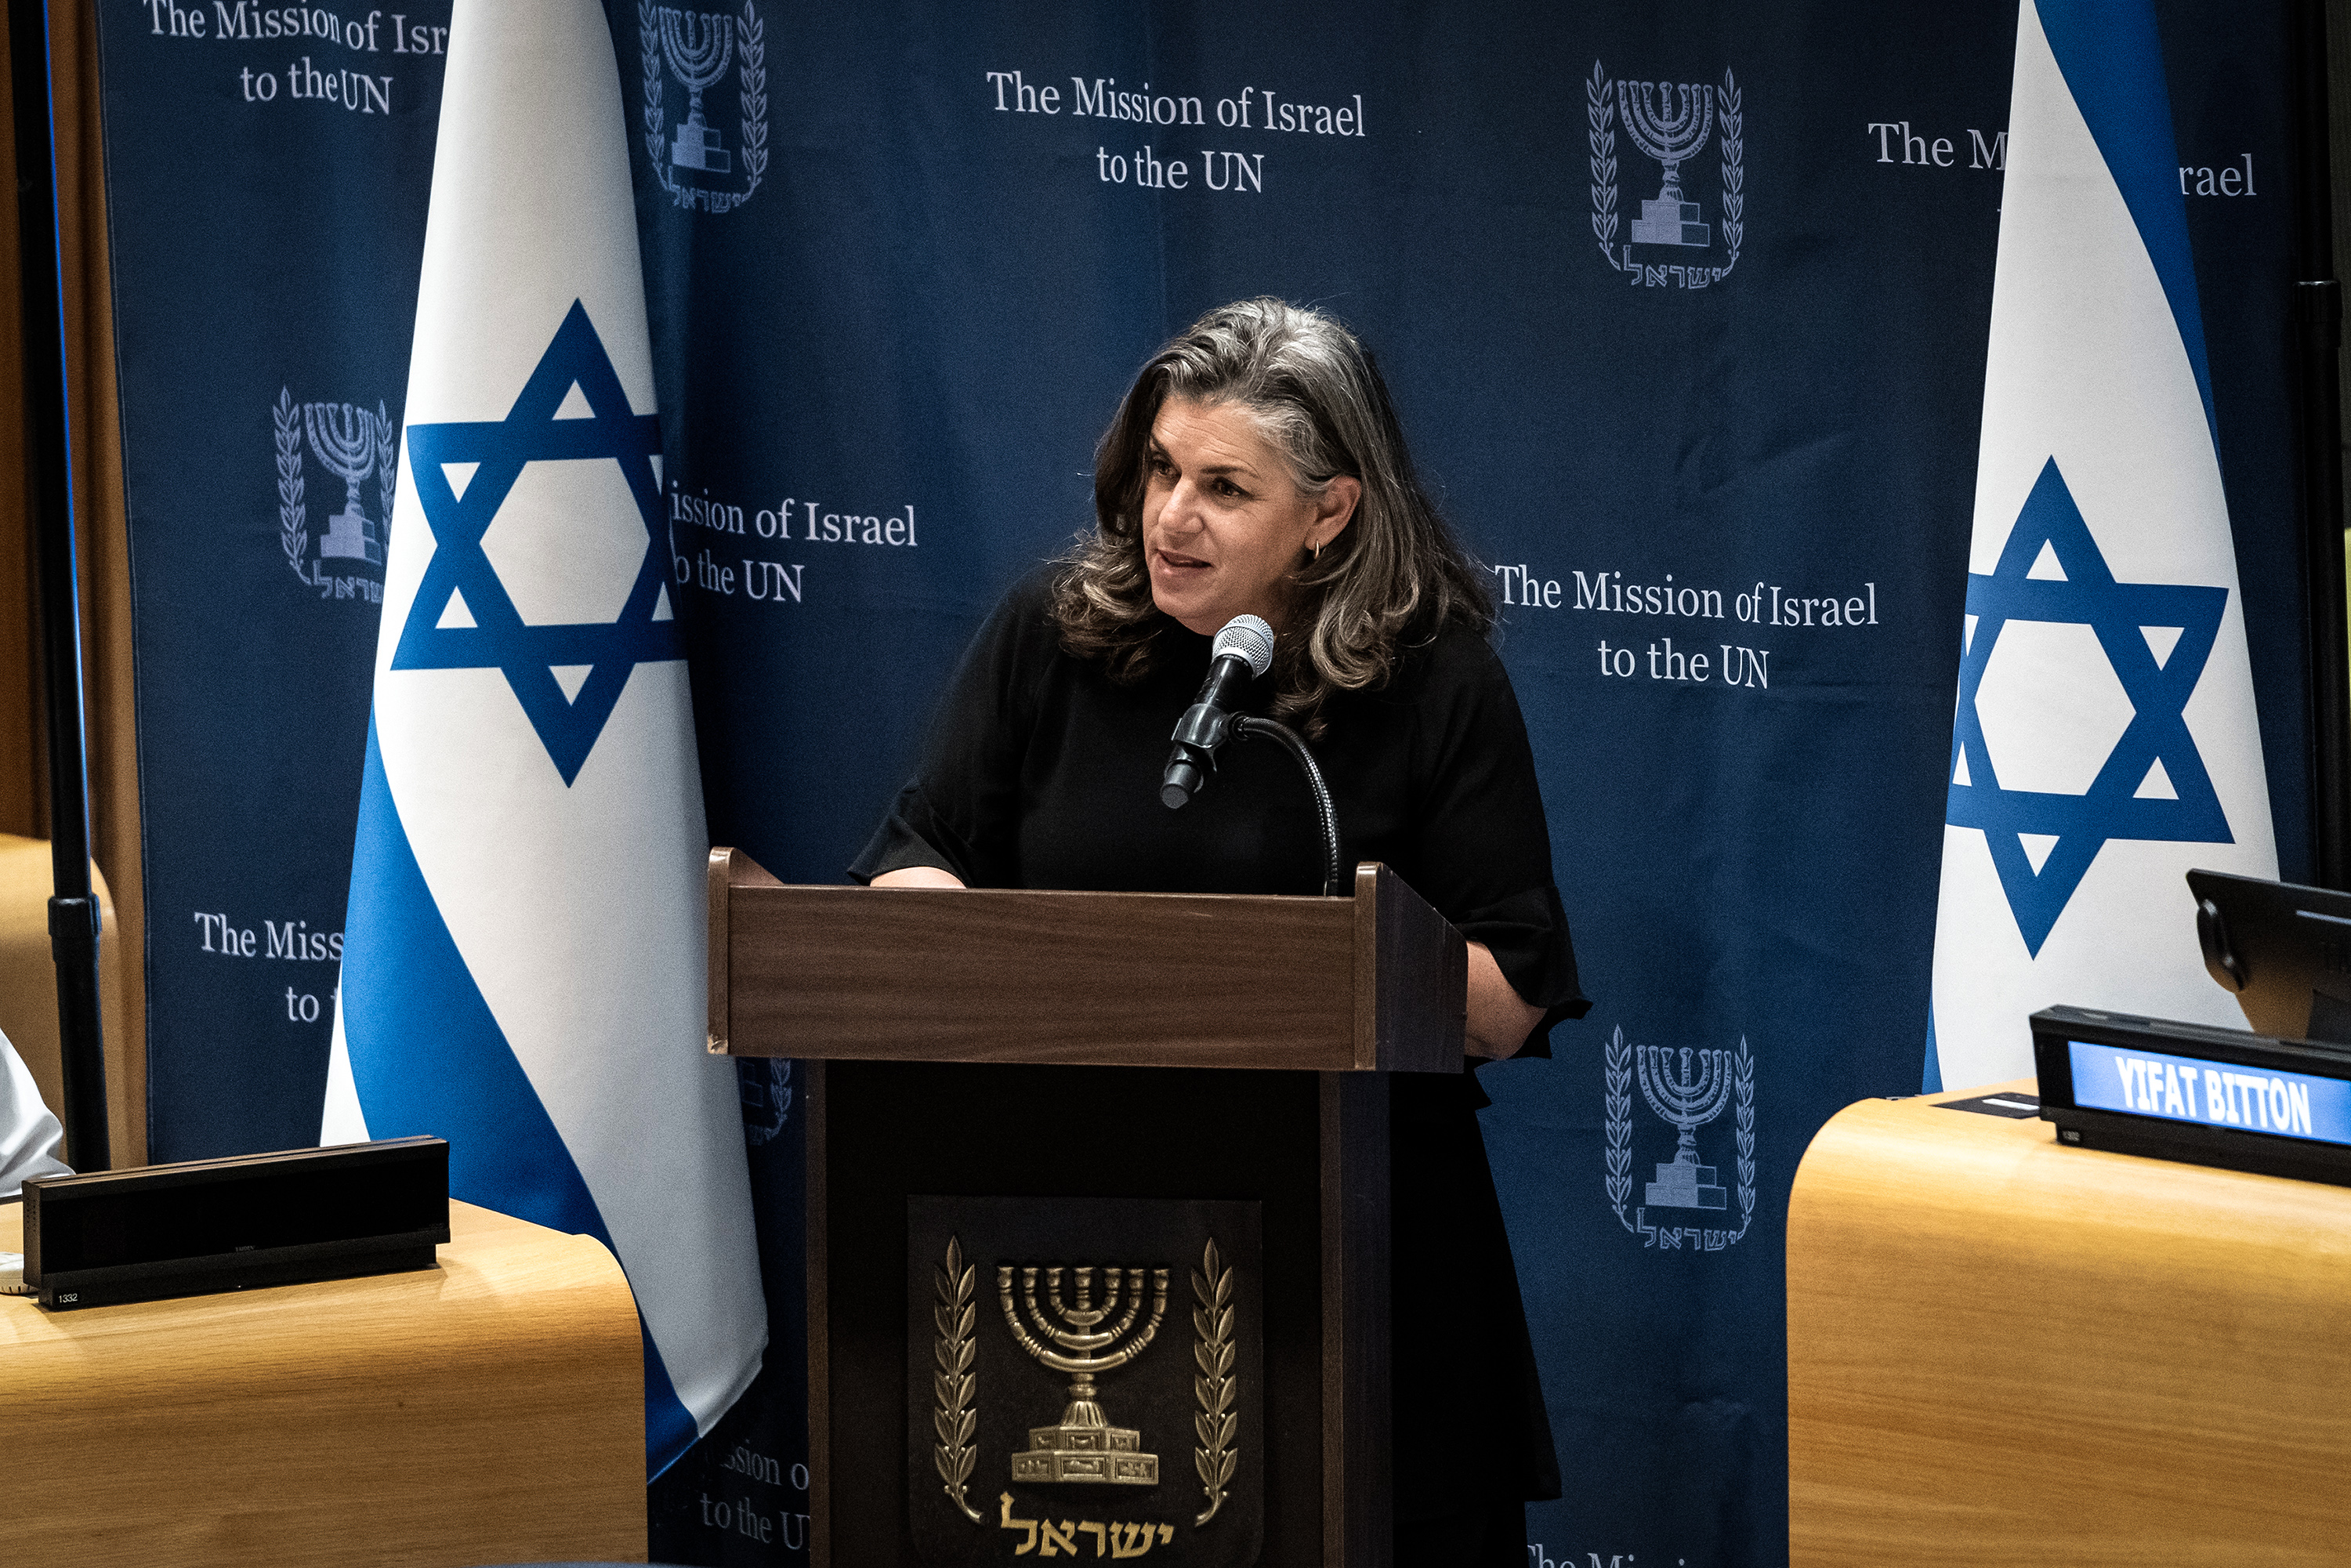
(1242, 652)
(1326, 816)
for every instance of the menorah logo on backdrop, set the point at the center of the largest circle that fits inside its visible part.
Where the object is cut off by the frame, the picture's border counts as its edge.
(343, 559)
(764, 1084)
(1678, 241)
(711, 160)
(1688, 1089)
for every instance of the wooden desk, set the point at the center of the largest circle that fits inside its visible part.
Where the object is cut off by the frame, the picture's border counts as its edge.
(2001, 1351)
(490, 1410)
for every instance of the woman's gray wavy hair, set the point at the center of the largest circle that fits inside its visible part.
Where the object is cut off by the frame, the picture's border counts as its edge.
(1394, 578)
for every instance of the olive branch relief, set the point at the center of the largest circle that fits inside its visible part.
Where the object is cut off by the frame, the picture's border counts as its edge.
(953, 1382)
(1212, 1351)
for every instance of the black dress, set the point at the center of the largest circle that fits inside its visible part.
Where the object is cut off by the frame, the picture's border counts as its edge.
(1040, 772)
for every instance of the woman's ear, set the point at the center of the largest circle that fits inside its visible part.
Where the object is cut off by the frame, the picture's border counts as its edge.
(1334, 510)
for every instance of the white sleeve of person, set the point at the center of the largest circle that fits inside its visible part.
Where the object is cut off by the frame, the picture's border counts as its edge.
(30, 1136)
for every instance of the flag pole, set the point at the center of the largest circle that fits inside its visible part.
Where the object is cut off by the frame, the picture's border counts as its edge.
(2318, 316)
(73, 912)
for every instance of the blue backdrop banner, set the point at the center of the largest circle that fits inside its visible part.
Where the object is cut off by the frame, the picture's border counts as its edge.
(265, 183)
(1685, 309)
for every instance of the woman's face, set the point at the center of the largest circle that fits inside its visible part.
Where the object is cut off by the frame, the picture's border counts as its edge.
(1224, 525)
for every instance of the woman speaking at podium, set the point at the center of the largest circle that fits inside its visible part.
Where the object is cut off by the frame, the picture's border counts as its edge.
(1257, 467)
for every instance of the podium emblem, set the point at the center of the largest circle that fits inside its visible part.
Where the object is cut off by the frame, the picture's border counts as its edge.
(1688, 1088)
(1672, 243)
(1000, 1333)
(1084, 1447)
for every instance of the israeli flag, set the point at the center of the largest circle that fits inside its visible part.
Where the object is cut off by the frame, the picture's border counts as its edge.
(522, 961)
(2105, 740)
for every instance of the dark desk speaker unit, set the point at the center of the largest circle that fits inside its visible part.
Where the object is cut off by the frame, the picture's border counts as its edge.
(204, 1226)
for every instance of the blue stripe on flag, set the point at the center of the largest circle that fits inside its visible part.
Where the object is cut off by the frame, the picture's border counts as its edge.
(429, 1058)
(1930, 1081)
(2112, 59)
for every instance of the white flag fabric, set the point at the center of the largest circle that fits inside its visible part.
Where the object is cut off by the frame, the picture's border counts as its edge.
(522, 961)
(30, 1138)
(2105, 739)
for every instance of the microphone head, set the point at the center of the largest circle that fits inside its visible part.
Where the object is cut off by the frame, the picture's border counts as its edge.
(1248, 638)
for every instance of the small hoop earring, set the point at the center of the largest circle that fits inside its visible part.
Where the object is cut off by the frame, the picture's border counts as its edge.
(1314, 554)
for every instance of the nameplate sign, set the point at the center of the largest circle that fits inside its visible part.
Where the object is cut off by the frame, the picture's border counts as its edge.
(2182, 1089)
(234, 1224)
(2185, 1091)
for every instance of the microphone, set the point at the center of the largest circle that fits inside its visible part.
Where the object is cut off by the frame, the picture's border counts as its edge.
(1242, 651)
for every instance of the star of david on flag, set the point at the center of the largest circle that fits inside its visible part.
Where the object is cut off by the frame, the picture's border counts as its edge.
(463, 616)
(523, 958)
(2104, 741)
(2153, 783)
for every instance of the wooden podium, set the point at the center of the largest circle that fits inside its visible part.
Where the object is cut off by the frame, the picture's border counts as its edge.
(2003, 1351)
(1035, 1045)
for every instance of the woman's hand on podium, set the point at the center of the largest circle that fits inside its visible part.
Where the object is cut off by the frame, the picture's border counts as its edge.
(918, 876)
(1499, 1020)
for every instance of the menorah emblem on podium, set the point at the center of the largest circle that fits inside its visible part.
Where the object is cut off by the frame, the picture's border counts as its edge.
(1688, 1100)
(1085, 1446)
(698, 45)
(1672, 137)
(352, 444)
